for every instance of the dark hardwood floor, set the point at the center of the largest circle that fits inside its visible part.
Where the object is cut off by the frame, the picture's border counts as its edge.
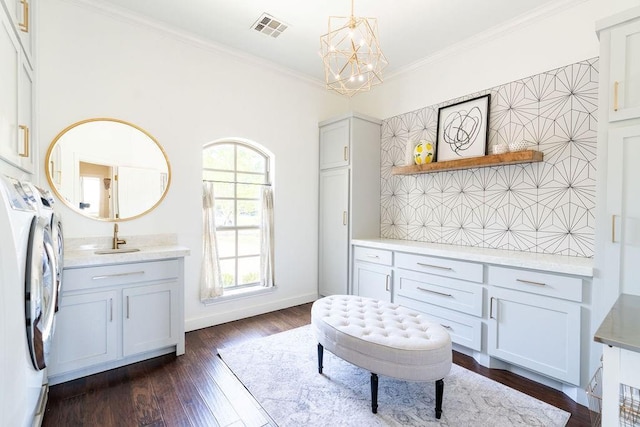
(198, 389)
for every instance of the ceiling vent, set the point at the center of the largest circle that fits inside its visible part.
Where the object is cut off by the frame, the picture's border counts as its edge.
(269, 25)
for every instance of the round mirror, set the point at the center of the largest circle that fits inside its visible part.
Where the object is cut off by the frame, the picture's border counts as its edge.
(108, 169)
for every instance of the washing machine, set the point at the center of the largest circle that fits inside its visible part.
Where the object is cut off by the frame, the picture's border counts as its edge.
(28, 292)
(43, 200)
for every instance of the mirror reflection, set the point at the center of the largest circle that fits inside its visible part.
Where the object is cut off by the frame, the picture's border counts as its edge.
(108, 169)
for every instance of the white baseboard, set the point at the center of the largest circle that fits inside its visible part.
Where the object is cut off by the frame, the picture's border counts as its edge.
(221, 316)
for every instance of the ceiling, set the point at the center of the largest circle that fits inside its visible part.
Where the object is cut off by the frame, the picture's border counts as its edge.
(410, 30)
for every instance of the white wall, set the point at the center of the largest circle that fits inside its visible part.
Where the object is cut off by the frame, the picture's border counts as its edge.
(555, 38)
(93, 64)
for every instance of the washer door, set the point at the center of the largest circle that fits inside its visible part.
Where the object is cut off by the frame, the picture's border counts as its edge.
(40, 291)
(58, 250)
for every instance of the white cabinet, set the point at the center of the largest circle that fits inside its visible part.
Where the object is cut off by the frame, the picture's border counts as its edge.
(372, 273)
(16, 102)
(535, 321)
(618, 209)
(115, 315)
(624, 77)
(349, 202)
(455, 304)
(150, 320)
(86, 331)
(334, 232)
(535, 332)
(523, 313)
(21, 14)
(334, 145)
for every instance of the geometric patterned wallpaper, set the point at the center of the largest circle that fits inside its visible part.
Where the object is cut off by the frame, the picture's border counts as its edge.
(546, 207)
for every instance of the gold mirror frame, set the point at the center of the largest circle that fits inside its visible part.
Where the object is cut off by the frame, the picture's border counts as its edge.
(49, 172)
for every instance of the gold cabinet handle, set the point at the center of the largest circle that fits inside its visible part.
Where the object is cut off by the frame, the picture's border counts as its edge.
(386, 283)
(446, 326)
(529, 282)
(491, 308)
(344, 217)
(25, 141)
(345, 153)
(613, 229)
(127, 306)
(373, 256)
(615, 95)
(24, 25)
(110, 309)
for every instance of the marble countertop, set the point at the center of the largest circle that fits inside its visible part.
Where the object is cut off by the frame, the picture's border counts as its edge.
(81, 252)
(552, 263)
(621, 327)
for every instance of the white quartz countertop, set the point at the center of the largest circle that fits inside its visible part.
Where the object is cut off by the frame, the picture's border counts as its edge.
(88, 257)
(552, 263)
(81, 252)
(620, 328)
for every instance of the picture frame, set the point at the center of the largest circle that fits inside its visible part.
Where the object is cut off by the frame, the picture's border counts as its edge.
(463, 129)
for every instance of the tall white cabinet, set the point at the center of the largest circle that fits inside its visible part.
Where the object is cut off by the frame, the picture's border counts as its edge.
(618, 215)
(17, 84)
(349, 195)
(618, 207)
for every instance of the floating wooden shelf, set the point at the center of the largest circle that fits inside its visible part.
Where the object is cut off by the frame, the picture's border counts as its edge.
(527, 156)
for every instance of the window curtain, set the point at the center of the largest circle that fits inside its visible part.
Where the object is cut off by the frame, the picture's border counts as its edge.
(210, 277)
(266, 238)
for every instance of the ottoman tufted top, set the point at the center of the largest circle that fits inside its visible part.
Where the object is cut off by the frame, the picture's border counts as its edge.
(365, 328)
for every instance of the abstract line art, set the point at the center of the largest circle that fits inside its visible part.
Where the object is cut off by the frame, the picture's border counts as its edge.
(462, 129)
(545, 207)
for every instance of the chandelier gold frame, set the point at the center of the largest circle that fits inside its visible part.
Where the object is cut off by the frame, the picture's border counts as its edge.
(353, 60)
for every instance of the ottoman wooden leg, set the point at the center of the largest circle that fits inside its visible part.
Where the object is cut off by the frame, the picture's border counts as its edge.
(439, 393)
(374, 393)
(320, 352)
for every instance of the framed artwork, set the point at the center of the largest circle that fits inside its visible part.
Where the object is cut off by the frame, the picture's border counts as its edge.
(463, 129)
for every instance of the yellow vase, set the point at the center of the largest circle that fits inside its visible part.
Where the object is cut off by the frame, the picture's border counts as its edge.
(423, 153)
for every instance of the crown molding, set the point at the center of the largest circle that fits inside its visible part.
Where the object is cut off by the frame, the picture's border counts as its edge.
(130, 17)
(496, 32)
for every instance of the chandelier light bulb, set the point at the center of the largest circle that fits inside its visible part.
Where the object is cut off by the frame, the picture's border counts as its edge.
(361, 78)
(361, 42)
(352, 78)
(369, 66)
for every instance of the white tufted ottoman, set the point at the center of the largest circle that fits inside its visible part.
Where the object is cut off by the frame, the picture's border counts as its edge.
(383, 338)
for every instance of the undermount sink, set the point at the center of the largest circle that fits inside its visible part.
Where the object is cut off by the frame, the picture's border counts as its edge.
(116, 251)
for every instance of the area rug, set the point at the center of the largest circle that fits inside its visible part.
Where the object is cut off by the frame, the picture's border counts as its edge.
(281, 372)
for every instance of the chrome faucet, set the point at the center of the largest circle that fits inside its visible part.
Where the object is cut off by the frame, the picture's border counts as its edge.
(116, 241)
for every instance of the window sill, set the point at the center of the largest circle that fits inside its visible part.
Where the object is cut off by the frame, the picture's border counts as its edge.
(239, 294)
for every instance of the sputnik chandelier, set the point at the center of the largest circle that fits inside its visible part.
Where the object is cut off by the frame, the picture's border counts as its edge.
(353, 61)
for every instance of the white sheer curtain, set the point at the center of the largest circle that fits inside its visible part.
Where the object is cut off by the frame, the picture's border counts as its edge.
(210, 277)
(266, 238)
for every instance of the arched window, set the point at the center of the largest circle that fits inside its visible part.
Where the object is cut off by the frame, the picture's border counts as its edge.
(239, 171)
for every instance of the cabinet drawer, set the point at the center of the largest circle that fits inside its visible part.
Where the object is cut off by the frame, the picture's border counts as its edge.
(448, 293)
(464, 330)
(553, 285)
(441, 266)
(122, 274)
(378, 256)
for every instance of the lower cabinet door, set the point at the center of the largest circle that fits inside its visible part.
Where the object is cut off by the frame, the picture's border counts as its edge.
(150, 318)
(372, 281)
(86, 332)
(535, 332)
